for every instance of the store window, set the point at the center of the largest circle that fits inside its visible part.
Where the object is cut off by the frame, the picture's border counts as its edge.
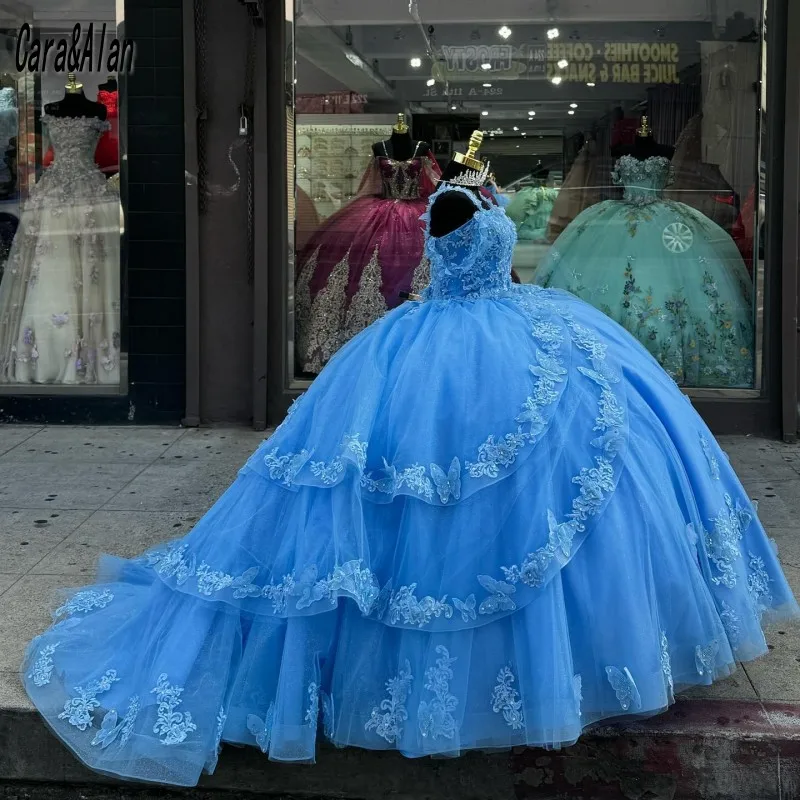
(624, 141)
(60, 211)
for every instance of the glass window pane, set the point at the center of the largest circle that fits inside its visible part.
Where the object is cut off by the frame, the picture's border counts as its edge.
(624, 139)
(60, 211)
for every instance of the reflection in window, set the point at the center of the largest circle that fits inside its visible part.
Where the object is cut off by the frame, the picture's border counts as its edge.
(626, 154)
(60, 221)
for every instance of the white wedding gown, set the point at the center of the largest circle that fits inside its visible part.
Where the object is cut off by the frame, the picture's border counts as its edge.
(60, 293)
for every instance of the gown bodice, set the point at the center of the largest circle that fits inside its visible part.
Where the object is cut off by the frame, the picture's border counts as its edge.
(73, 175)
(400, 180)
(474, 260)
(643, 181)
(109, 100)
(8, 99)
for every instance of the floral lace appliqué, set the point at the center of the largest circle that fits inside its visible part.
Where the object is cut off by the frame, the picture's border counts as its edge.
(436, 716)
(83, 602)
(42, 670)
(722, 542)
(758, 582)
(705, 658)
(171, 725)
(78, 709)
(388, 718)
(262, 728)
(506, 701)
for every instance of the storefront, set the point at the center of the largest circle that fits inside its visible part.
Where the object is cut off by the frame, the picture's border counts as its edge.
(645, 151)
(251, 202)
(92, 263)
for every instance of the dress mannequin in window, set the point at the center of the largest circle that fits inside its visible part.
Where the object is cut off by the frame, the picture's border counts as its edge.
(355, 267)
(663, 270)
(59, 296)
(106, 155)
(491, 522)
(9, 118)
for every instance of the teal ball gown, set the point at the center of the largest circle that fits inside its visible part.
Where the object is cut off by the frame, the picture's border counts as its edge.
(666, 273)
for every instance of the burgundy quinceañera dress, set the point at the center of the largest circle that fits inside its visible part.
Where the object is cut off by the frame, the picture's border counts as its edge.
(354, 268)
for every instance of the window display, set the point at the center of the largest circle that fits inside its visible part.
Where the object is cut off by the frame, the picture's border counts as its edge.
(60, 285)
(646, 208)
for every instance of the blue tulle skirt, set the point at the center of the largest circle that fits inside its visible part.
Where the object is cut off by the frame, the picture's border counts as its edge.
(487, 523)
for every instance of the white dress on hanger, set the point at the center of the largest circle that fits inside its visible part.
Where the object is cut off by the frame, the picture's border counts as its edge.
(60, 293)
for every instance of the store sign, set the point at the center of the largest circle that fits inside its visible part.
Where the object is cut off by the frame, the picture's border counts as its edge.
(587, 62)
(614, 62)
(85, 51)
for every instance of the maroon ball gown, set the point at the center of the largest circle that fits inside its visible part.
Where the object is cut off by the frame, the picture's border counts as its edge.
(354, 267)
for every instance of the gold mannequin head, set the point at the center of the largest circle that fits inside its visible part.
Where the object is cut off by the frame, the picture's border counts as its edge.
(400, 126)
(72, 86)
(644, 130)
(470, 159)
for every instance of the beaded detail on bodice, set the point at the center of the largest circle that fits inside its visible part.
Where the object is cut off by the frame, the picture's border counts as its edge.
(109, 100)
(473, 261)
(73, 177)
(401, 179)
(643, 181)
(8, 99)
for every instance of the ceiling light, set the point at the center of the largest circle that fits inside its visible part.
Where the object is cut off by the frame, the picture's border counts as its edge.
(555, 80)
(591, 84)
(553, 33)
(505, 31)
(484, 113)
(354, 59)
(571, 113)
(453, 108)
(431, 82)
(524, 134)
(487, 85)
(516, 128)
(517, 147)
(531, 113)
(573, 105)
(416, 62)
(486, 65)
(563, 64)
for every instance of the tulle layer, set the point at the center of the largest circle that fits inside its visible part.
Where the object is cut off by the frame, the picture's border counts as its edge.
(613, 560)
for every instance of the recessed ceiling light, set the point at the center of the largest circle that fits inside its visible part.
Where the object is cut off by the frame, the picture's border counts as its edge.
(591, 84)
(487, 85)
(416, 62)
(516, 128)
(556, 79)
(571, 113)
(524, 134)
(505, 31)
(484, 113)
(563, 64)
(553, 33)
(453, 108)
(517, 147)
(431, 82)
(531, 113)
(573, 105)
(487, 65)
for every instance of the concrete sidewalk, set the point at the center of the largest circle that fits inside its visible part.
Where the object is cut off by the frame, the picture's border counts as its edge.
(69, 494)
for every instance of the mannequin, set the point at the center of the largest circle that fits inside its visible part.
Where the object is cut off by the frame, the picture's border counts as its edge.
(75, 103)
(400, 146)
(453, 209)
(644, 145)
(110, 85)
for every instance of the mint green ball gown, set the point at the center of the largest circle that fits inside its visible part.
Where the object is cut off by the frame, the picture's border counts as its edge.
(665, 272)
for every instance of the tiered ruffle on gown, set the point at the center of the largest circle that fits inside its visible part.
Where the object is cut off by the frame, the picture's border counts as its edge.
(491, 521)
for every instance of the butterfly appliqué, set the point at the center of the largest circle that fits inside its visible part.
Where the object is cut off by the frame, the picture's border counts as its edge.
(500, 599)
(262, 729)
(448, 486)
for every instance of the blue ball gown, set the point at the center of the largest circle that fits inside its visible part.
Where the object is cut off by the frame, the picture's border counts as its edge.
(491, 521)
(667, 273)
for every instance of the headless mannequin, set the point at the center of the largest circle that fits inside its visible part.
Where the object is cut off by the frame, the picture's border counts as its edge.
(75, 103)
(110, 85)
(400, 147)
